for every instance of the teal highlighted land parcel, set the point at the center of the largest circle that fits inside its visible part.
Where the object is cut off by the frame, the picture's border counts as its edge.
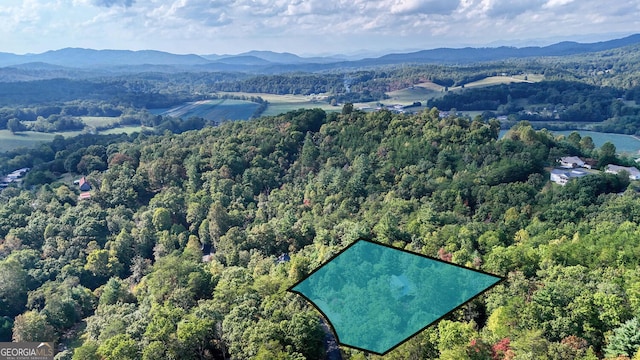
(376, 297)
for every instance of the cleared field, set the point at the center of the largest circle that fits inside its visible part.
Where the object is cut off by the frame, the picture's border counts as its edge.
(410, 95)
(279, 104)
(279, 108)
(219, 109)
(98, 121)
(31, 139)
(498, 80)
(124, 129)
(274, 98)
(431, 86)
(625, 144)
(9, 141)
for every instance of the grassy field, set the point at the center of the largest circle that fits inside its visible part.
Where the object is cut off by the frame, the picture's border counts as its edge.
(99, 121)
(424, 91)
(219, 109)
(279, 104)
(123, 129)
(280, 108)
(9, 141)
(410, 95)
(239, 109)
(431, 86)
(625, 144)
(498, 80)
(30, 139)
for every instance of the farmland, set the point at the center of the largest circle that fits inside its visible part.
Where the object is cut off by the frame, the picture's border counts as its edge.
(100, 121)
(218, 110)
(498, 80)
(423, 92)
(31, 139)
(228, 109)
(410, 95)
(279, 104)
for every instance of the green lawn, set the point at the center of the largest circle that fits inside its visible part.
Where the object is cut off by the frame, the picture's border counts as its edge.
(283, 107)
(498, 80)
(123, 129)
(219, 109)
(30, 139)
(410, 95)
(279, 104)
(99, 121)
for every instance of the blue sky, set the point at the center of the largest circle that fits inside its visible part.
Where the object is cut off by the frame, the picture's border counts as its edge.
(305, 26)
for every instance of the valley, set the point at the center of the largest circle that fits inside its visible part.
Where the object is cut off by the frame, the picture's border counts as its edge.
(164, 206)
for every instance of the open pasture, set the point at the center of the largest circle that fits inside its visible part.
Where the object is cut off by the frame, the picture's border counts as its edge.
(279, 104)
(410, 95)
(498, 80)
(100, 121)
(219, 110)
(31, 139)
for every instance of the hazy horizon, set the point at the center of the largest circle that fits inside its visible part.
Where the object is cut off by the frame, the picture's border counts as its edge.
(310, 27)
(361, 53)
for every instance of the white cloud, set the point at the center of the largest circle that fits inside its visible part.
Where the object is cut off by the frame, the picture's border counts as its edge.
(412, 7)
(556, 3)
(300, 25)
(511, 8)
(110, 3)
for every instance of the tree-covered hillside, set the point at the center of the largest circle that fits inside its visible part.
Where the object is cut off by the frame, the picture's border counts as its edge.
(121, 275)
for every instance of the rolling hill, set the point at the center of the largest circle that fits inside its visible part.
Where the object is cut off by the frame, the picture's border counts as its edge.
(273, 62)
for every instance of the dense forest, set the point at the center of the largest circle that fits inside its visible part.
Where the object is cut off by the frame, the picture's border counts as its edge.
(121, 275)
(562, 100)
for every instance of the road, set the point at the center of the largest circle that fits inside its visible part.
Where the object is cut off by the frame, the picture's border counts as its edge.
(330, 343)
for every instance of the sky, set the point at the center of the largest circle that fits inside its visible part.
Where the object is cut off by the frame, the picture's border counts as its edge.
(306, 27)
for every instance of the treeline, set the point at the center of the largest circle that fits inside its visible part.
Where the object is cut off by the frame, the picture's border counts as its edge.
(131, 93)
(51, 118)
(263, 104)
(67, 117)
(297, 84)
(543, 101)
(128, 262)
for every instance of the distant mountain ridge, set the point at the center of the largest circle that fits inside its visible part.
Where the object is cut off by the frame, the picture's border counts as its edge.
(273, 62)
(505, 52)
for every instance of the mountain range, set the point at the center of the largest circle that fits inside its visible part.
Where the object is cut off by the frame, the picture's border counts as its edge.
(119, 61)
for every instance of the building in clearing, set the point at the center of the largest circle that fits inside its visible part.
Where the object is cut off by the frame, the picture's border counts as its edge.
(562, 176)
(634, 173)
(571, 162)
(84, 184)
(13, 177)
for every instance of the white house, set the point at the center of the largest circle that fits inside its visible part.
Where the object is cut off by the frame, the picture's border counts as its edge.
(634, 173)
(14, 176)
(562, 176)
(570, 162)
